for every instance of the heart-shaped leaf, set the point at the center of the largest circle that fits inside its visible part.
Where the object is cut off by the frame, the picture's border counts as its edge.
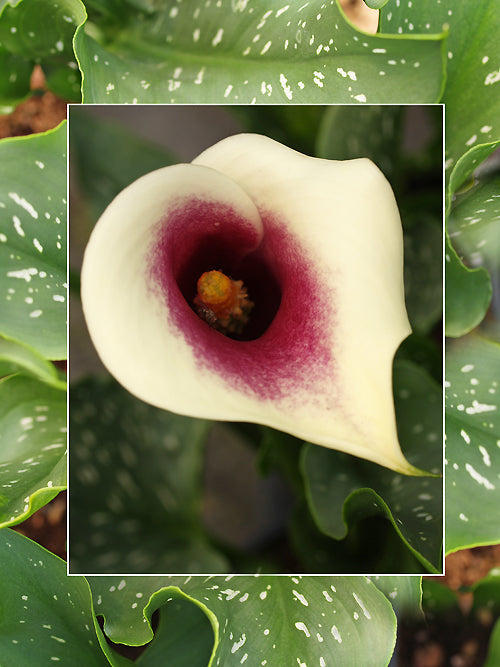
(472, 443)
(33, 241)
(32, 446)
(260, 620)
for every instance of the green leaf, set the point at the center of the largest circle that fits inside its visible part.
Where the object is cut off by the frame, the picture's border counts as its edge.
(474, 220)
(22, 357)
(423, 273)
(468, 294)
(466, 165)
(39, 29)
(472, 92)
(376, 4)
(293, 125)
(179, 622)
(33, 241)
(32, 446)
(256, 620)
(404, 593)
(109, 157)
(439, 601)
(374, 132)
(135, 486)
(42, 32)
(46, 617)
(15, 87)
(487, 595)
(493, 658)
(342, 489)
(425, 352)
(472, 443)
(371, 545)
(229, 52)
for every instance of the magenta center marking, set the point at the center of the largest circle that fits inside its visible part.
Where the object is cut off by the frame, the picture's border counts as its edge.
(287, 345)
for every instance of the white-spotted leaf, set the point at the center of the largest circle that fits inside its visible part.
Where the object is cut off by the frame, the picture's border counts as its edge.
(472, 443)
(46, 617)
(258, 51)
(404, 593)
(33, 241)
(472, 92)
(37, 31)
(261, 620)
(474, 223)
(32, 446)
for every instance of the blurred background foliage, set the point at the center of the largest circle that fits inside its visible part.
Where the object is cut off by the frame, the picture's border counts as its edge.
(256, 500)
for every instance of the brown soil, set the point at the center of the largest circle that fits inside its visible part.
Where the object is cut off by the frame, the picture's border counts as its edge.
(39, 113)
(457, 639)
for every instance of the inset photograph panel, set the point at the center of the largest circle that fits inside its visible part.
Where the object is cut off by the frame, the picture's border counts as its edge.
(256, 339)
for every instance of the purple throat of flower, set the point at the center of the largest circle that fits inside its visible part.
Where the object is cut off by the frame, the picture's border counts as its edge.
(252, 307)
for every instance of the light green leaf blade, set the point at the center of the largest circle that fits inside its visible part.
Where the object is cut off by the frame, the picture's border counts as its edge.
(472, 92)
(46, 617)
(281, 620)
(472, 445)
(32, 446)
(342, 489)
(468, 294)
(135, 483)
(33, 241)
(233, 52)
(21, 357)
(461, 176)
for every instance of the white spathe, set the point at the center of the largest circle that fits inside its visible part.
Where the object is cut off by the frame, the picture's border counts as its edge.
(322, 371)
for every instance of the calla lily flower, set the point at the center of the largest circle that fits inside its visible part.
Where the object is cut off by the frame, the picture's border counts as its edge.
(256, 284)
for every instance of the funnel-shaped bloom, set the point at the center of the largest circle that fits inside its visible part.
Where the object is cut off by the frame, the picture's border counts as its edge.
(256, 284)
